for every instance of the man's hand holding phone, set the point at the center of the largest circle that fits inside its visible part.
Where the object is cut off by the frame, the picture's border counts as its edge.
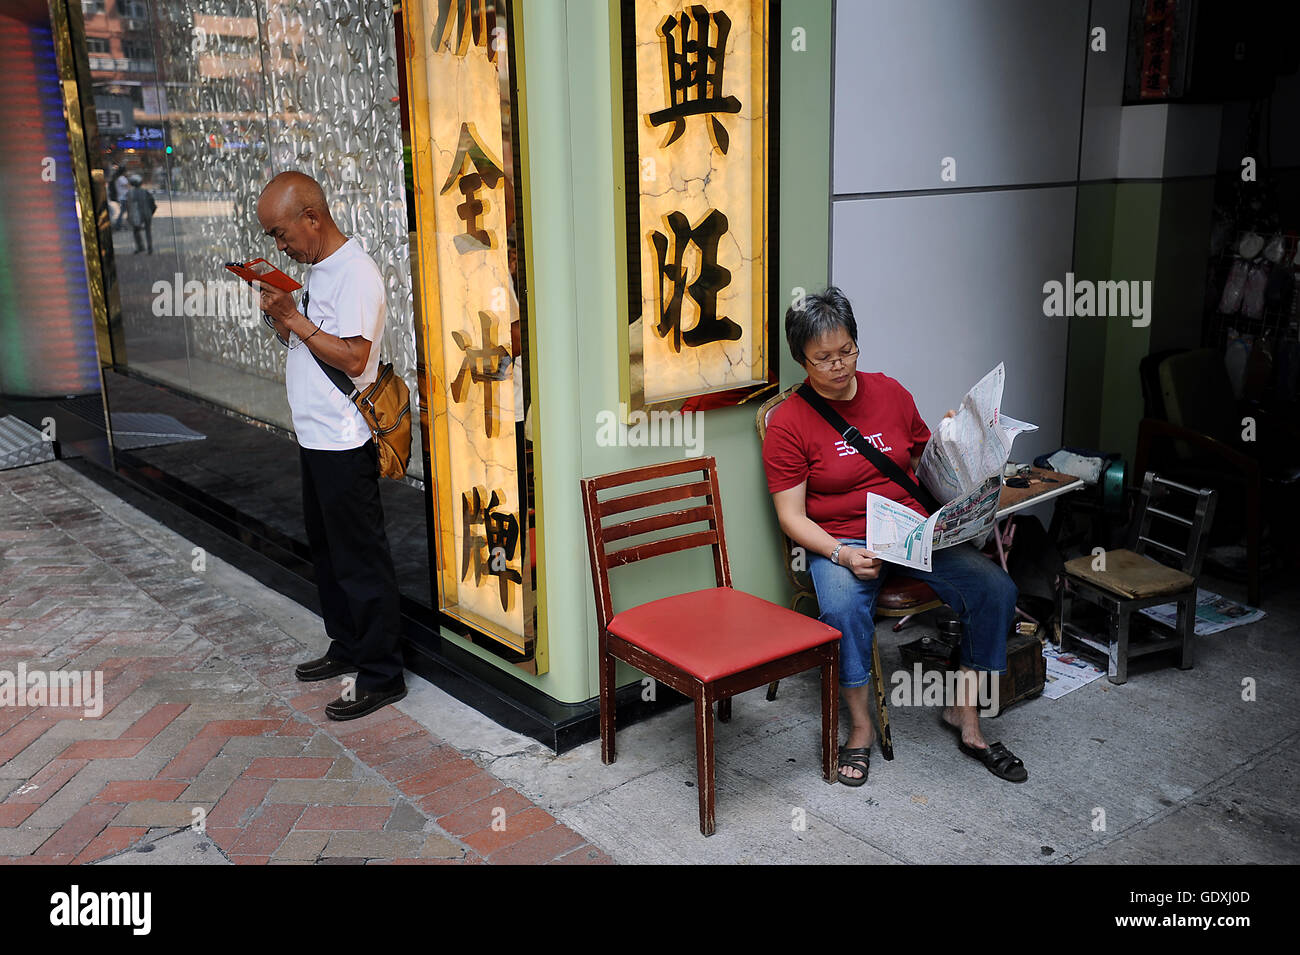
(280, 306)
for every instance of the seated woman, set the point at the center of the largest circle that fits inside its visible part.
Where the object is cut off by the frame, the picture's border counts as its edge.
(820, 485)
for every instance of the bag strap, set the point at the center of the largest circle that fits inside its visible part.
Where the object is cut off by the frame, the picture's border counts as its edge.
(336, 375)
(854, 439)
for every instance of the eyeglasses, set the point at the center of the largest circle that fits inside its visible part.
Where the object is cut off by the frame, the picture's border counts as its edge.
(843, 358)
(270, 322)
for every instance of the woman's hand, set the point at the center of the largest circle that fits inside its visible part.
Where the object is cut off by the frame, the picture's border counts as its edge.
(864, 564)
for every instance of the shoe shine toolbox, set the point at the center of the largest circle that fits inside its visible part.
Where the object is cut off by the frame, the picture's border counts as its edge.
(1026, 667)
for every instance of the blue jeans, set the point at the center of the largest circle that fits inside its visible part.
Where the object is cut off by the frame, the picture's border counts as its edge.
(977, 589)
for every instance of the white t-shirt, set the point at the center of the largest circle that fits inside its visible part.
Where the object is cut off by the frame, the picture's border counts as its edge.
(347, 299)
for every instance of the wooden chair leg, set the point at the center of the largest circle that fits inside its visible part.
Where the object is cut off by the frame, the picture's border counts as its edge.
(607, 670)
(1187, 628)
(704, 741)
(724, 710)
(830, 715)
(1118, 663)
(1061, 611)
(882, 711)
(771, 690)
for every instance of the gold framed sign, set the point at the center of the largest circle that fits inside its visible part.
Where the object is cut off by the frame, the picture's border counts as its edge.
(467, 123)
(695, 81)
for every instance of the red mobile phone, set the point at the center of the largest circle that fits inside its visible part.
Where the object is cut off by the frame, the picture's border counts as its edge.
(261, 270)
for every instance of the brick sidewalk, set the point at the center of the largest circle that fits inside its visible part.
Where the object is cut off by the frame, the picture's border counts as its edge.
(201, 711)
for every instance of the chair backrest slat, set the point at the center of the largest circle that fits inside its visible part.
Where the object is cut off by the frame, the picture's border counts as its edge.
(667, 545)
(632, 502)
(657, 522)
(1177, 518)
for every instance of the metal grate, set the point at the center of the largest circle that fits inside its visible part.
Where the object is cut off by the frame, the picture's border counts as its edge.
(21, 444)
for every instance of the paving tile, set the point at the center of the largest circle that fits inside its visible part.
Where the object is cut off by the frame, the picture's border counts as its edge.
(153, 814)
(446, 774)
(113, 839)
(21, 842)
(136, 790)
(77, 833)
(239, 728)
(374, 845)
(407, 817)
(289, 767)
(153, 722)
(459, 794)
(538, 849)
(480, 815)
(508, 831)
(318, 792)
(300, 844)
(344, 817)
(46, 782)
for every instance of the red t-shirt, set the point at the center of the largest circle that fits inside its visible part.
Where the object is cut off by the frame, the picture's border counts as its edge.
(802, 446)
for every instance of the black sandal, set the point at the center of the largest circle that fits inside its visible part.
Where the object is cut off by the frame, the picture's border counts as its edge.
(999, 761)
(860, 759)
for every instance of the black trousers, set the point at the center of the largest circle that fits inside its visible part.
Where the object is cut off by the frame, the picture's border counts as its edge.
(354, 569)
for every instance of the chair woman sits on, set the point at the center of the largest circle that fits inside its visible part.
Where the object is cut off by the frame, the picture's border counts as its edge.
(819, 485)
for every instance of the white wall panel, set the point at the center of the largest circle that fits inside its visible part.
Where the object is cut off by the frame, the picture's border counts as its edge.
(946, 286)
(997, 85)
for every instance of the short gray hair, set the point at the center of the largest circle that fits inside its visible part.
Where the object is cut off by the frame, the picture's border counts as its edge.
(819, 315)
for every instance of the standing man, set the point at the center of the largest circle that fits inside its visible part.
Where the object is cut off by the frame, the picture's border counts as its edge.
(141, 206)
(340, 323)
(123, 186)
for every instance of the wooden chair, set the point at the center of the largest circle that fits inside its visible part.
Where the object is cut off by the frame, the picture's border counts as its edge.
(1128, 580)
(899, 597)
(707, 644)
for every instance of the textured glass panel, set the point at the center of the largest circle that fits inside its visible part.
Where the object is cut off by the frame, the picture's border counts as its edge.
(245, 89)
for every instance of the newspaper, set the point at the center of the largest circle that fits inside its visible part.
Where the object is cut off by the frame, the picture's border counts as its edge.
(1066, 673)
(962, 467)
(1214, 613)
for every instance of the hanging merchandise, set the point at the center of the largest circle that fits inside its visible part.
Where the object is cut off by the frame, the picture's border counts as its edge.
(1234, 359)
(1252, 303)
(1276, 248)
(1234, 287)
(1250, 246)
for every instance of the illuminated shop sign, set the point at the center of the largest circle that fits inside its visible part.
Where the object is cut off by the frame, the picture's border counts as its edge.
(475, 333)
(697, 76)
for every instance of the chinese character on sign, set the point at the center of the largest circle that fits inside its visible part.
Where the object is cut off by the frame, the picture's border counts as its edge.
(694, 73)
(499, 539)
(465, 23)
(486, 171)
(703, 291)
(486, 365)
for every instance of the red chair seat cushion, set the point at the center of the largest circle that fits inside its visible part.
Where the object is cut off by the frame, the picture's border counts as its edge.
(717, 632)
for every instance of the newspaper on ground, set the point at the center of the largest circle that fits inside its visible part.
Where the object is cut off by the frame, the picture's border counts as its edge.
(962, 467)
(1214, 613)
(1066, 672)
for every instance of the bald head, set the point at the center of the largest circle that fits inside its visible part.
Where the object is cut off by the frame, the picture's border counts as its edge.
(293, 211)
(292, 192)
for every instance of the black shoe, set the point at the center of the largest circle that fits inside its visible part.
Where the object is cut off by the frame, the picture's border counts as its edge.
(366, 702)
(322, 668)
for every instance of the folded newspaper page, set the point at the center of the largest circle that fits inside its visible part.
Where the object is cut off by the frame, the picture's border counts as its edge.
(962, 467)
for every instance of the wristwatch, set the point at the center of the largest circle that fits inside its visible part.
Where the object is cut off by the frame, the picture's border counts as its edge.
(835, 554)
